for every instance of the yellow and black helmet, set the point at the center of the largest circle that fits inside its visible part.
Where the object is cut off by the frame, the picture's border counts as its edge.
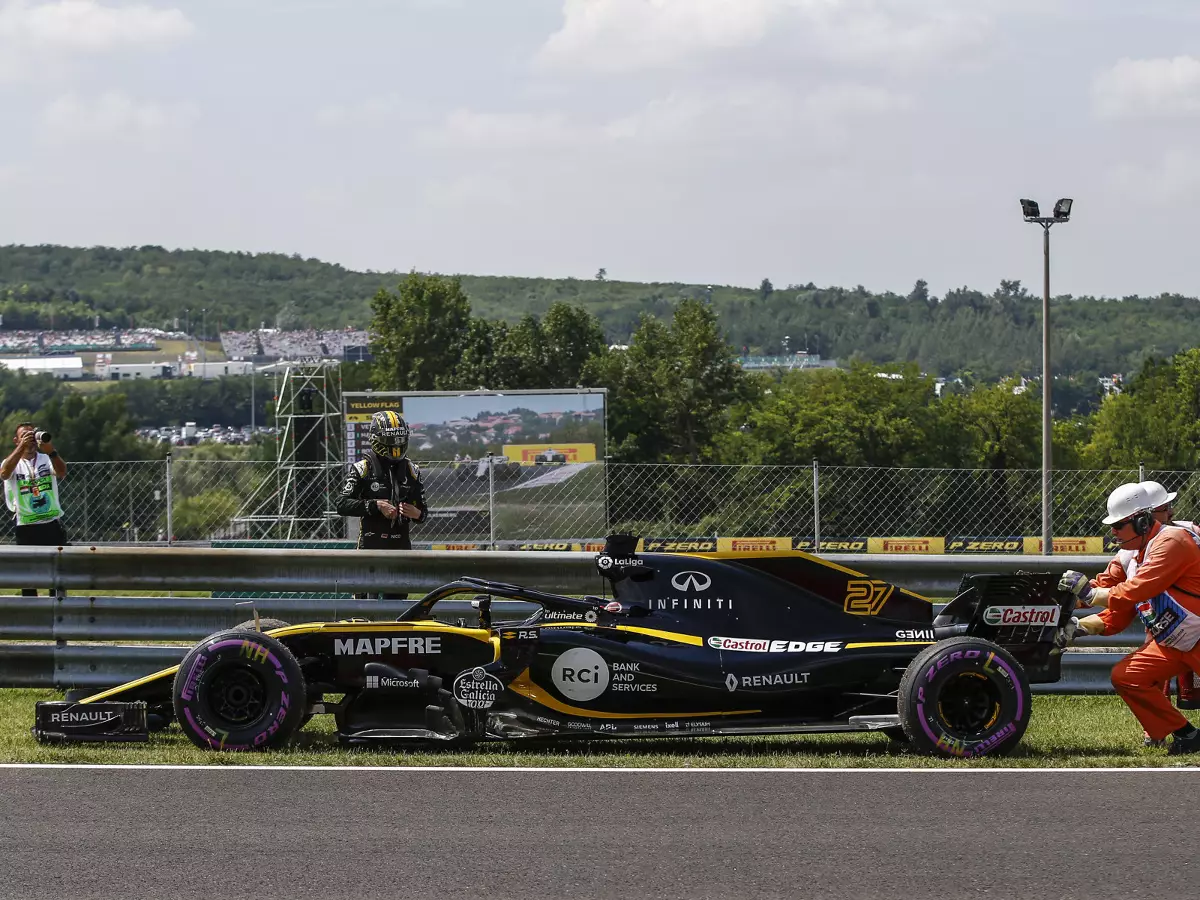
(389, 434)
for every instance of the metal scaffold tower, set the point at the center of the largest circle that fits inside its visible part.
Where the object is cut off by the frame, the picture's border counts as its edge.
(296, 501)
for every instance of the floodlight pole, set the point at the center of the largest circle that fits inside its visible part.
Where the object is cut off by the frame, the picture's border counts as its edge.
(1047, 427)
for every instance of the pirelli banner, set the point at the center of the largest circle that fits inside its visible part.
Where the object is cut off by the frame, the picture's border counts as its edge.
(955, 543)
(1078, 545)
(831, 545)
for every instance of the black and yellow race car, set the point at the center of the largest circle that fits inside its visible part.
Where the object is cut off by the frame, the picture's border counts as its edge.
(685, 644)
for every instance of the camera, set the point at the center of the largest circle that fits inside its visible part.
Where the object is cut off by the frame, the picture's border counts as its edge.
(43, 437)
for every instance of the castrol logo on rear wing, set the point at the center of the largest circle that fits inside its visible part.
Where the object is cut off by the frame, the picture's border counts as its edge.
(1021, 615)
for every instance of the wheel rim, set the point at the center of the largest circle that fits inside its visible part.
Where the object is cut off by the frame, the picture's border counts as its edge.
(969, 704)
(238, 696)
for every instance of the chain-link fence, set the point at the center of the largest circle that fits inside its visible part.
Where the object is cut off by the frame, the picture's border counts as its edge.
(485, 503)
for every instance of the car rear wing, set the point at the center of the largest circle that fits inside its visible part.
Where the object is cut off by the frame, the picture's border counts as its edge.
(1021, 612)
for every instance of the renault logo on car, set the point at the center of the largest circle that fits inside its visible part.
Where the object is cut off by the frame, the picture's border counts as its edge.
(690, 581)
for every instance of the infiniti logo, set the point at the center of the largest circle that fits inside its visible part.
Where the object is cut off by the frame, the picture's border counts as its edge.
(695, 581)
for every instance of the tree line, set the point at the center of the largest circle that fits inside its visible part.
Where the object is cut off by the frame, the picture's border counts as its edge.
(678, 394)
(967, 332)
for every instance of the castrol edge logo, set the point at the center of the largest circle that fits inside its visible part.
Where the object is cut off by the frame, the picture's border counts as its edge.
(764, 645)
(1021, 615)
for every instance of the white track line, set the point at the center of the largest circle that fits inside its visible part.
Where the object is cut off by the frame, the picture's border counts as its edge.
(559, 770)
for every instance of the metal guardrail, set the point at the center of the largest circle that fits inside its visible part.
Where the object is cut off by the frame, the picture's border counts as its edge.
(45, 626)
(81, 569)
(364, 571)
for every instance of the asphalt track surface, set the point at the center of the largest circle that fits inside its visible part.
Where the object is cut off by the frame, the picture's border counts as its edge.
(234, 833)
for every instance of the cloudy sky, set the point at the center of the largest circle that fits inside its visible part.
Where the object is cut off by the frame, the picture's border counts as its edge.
(843, 142)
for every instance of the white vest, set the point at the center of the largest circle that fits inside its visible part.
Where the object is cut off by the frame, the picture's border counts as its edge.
(31, 492)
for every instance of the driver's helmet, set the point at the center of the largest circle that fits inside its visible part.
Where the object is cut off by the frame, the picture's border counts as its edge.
(389, 434)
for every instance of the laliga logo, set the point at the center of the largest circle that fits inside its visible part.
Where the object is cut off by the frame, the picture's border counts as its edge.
(694, 581)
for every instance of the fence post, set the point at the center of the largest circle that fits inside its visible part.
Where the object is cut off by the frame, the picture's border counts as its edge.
(816, 507)
(170, 522)
(491, 499)
(1141, 471)
(607, 475)
(87, 531)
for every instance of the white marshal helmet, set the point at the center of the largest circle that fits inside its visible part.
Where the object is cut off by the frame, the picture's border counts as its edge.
(1158, 494)
(1127, 500)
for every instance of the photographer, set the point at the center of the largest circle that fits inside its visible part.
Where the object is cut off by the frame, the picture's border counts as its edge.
(30, 474)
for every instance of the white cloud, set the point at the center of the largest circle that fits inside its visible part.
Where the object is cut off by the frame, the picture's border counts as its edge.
(1172, 178)
(114, 116)
(633, 35)
(690, 118)
(42, 41)
(84, 25)
(637, 34)
(1143, 88)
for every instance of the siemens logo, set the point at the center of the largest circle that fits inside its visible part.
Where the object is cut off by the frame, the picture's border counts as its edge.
(381, 645)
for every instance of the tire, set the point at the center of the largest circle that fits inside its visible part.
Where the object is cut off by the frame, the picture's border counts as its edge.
(267, 625)
(271, 625)
(895, 733)
(238, 690)
(964, 698)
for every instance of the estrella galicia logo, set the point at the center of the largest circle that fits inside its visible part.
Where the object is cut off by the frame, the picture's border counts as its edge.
(691, 581)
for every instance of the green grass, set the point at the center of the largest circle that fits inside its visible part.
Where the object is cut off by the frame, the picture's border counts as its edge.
(1065, 731)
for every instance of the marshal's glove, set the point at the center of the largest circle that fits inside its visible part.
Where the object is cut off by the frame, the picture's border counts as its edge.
(1076, 583)
(1068, 633)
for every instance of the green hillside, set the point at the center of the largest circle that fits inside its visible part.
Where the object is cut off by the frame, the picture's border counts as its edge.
(989, 334)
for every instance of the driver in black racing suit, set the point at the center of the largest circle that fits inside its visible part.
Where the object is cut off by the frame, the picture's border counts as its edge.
(384, 489)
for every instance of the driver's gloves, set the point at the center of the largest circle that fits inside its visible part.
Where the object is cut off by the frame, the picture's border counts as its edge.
(1076, 583)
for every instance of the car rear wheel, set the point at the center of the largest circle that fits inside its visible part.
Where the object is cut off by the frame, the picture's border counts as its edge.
(238, 690)
(964, 698)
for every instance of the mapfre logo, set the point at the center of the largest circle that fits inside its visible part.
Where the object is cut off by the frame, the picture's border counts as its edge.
(691, 581)
(865, 597)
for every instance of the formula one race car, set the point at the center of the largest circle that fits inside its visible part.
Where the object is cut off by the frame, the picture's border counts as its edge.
(688, 644)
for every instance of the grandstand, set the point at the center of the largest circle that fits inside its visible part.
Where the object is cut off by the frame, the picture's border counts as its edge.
(271, 343)
(54, 343)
